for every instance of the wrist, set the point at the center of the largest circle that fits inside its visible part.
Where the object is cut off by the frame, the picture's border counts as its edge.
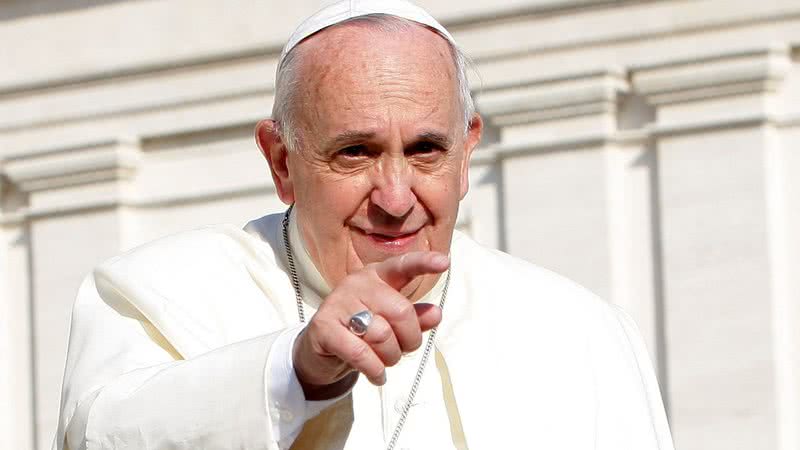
(338, 388)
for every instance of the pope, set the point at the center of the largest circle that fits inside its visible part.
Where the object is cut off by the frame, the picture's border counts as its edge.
(358, 318)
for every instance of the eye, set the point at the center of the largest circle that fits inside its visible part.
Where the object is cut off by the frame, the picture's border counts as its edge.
(423, 148)
(353, 151)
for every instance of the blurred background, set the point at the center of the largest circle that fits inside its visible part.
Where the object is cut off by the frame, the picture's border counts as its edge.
(646, 149)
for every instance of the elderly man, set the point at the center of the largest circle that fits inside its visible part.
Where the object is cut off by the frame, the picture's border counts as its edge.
(358, 318)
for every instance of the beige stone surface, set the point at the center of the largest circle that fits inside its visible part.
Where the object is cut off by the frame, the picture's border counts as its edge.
(646, 149)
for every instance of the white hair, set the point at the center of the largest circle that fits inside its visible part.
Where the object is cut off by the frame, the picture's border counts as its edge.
(287, 80)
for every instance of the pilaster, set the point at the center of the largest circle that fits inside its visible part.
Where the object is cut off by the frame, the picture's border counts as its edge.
(715, 134)
(574, 171)
(71, 219)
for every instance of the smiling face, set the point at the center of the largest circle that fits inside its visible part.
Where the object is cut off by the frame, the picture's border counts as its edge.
(382, 158)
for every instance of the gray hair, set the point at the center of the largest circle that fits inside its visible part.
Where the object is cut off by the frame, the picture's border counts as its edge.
(287, 80)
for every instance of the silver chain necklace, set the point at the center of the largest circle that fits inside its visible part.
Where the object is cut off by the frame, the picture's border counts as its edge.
(428, 344)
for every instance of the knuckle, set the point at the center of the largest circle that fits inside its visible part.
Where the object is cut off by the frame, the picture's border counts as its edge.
(319, 324)
(383, 333)
(401, 309)
(358, 353)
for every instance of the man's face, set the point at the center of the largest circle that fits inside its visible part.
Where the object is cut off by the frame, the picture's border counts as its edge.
(382, 158)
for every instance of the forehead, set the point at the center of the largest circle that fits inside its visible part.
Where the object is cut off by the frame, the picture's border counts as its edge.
(357, 76)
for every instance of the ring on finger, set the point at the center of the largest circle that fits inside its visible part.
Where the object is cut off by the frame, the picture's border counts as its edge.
(359, 322)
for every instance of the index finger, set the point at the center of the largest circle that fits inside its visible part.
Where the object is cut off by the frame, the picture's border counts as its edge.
(400, 270)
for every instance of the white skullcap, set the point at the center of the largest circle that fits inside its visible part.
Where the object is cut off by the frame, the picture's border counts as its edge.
(347, 9)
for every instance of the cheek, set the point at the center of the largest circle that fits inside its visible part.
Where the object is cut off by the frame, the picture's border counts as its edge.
(441, 194)
(334, 200)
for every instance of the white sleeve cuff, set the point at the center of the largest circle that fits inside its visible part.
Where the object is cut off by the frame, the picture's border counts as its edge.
(288, 407)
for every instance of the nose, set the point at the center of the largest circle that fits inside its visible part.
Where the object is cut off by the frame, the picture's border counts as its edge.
(393, 189)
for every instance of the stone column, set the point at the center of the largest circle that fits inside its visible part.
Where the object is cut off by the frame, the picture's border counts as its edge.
(16, 339)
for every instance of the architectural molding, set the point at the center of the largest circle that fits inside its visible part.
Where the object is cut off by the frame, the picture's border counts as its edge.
(159, 106)
(500, 151)
(134, 203)
(450, 15)
(709, 126)
(789, 121)
(462, 24)
(12, 219)
(62, 167)
(153, 142)
(550, 99)
(715, 75)
(653, 20)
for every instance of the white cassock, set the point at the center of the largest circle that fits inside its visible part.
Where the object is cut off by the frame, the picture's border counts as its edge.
(182, 344)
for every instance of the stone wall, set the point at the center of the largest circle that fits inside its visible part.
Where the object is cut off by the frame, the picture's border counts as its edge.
(646, 149)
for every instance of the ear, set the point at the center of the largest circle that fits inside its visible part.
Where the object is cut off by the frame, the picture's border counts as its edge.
(275, 152)
(473, 139)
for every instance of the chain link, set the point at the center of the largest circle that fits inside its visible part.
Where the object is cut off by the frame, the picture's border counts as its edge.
(292, 271)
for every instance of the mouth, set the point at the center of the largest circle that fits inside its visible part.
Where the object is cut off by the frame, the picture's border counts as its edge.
(396, 241)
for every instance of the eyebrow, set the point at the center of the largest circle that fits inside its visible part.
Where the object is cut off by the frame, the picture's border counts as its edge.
(349, 137)
(442, 140)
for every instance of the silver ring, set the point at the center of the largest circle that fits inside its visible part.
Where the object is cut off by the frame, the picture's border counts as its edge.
(359, 322)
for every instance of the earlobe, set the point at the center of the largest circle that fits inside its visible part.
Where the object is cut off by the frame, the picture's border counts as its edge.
(274, 151)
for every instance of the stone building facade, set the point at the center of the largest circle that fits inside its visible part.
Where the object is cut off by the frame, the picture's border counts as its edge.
(646, 149)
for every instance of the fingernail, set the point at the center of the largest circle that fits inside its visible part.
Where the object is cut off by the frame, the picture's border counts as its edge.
(380, 381)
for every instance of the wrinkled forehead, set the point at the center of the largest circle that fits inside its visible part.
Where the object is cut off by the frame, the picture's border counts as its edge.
(358, 67)
(368, 44)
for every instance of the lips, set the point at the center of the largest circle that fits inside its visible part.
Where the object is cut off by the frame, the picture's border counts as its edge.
(388, 236)
(389, 240)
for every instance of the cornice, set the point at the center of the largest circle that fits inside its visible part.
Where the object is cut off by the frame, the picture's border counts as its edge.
(269, 45)
(54, 168)
(495, 153)
(487, 155)
(715, 75)
(134, 203)
(465, 19)
(549, 99)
